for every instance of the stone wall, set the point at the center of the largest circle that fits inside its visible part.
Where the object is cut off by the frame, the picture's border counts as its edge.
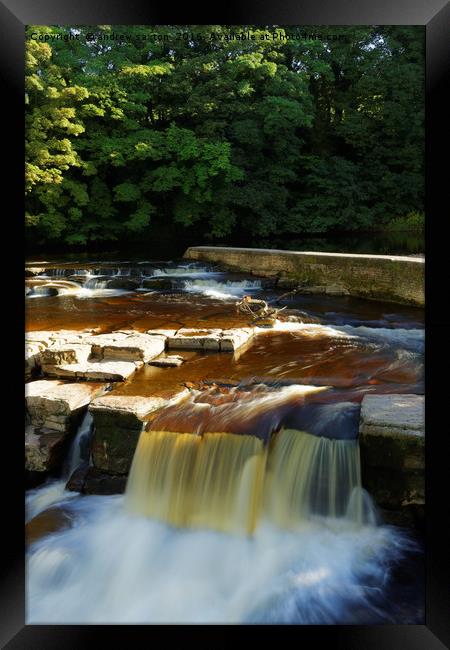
(376, 277)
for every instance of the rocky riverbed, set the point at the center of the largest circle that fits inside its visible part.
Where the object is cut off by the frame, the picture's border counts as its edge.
(185, 336)
(136, 366)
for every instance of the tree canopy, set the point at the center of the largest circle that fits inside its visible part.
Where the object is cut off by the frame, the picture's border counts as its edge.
(187, 126)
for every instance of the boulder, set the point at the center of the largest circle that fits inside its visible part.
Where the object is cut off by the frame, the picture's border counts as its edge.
(32, 359)
(97, 370)
(233, 339)
(162, 332)
(167, 361)
(43, 291)
(127, 347)
(31, 271)
(61, 354)
(337, 290)
(392, 447)
(126, 283)
(287, 283)
(118, 421)
(195, 339)
(77, 478)
(44, 449)
(392, 431)
(90, 480)
(56, 405)
(157, 284)
(48, 521)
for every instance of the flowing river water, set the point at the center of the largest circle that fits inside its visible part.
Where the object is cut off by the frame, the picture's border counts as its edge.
(244, 502)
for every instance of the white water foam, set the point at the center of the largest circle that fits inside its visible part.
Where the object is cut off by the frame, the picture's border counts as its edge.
(185, 271)
(412, 339)
(113, 567)
(222, 290)
(310, 330)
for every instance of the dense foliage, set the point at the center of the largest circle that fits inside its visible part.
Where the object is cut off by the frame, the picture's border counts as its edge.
(259, 136)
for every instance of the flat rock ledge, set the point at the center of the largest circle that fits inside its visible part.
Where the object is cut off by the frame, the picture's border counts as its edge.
(55, 405)
(115, 356)
(392, 446)
(210, 339)
(98, 370)
(119, 420)
(123, 346)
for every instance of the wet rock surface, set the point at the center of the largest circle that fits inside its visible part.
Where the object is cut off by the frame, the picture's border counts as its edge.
(119, 420)
(91, 480)
(392, 445)
(134, 352)
(97, 370)
(127, 347)
(58, 405)
(44, 449)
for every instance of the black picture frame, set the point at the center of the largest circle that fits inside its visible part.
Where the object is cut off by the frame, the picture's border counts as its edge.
(435, 16)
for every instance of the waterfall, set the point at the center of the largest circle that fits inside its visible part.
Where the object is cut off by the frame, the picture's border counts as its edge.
(95, 283)
(210, 481)
(230, 482)
(310, 475)
(80, 448)
(54, 491)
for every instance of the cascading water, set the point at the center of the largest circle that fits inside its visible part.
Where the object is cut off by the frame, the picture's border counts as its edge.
(210, 481)
(221, 527)
(220, 480)
(222, 290)
(54, 491)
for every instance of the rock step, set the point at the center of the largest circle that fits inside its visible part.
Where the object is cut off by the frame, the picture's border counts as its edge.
(53, 412)
(98, 370)
(127, 347)
(392, 447)
(68, 353)
(54, 403)
(119, 420)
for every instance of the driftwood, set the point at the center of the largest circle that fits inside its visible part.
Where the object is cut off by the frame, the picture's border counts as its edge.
(288, 293)
(257, 309)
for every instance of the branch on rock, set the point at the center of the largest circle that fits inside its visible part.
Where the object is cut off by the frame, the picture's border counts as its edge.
(257, 309)
(288, 294)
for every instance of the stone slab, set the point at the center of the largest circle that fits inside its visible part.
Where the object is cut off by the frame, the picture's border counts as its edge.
(393, 415)
(170, 361)
(392, 448)
(63, 354)
(55, 400)
(127, 347)
(98, 370)
(195, 339)
(232, 339)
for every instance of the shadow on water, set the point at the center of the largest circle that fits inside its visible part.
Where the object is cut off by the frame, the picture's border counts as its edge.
(393, 243)
(376, 243)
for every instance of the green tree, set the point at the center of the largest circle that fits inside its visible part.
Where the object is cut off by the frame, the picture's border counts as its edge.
(254, 137)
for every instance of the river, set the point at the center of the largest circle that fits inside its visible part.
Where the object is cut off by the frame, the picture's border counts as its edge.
(251, 523)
